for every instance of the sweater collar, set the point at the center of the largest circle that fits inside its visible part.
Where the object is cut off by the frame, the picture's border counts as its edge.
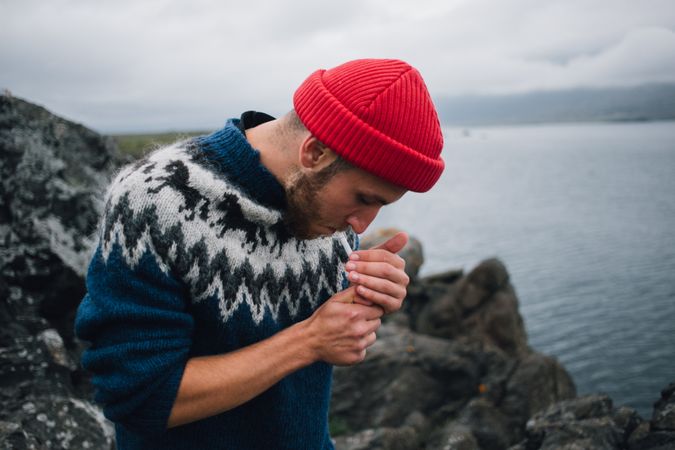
(232, 154)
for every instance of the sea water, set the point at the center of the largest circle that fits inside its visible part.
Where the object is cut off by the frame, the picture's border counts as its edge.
(583, 217)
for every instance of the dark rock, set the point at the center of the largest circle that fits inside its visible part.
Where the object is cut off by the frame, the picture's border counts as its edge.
(627, 419)
(655, 440)
(452, 383)
(491, 428)
(52, 174)
(483, 281)
(663, 418)
(408, 436)
(403, 438)
(580, 423)
(591, 422)
(537, 382)
(442, 316)
(447, 277)
(640, 433)
(453, 435)
(404, 373)
(481, 307)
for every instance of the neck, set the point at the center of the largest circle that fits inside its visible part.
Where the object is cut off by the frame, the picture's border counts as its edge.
(276, 148)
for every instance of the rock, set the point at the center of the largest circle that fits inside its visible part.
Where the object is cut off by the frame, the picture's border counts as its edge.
(591, 422)
(491, 428)
(627, 419)
(404, 373)
(440, 316)
(453, 436)
(639, 434)
(447, 277)
(452, 383)
(655, 440)
(481, 307)
(583, 423)
(52, 173)
(404, 438)
(483, 281)
(537, 382)
(659, 433)
(663, 418)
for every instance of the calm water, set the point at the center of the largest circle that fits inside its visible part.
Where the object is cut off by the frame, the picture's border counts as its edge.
(583, 216)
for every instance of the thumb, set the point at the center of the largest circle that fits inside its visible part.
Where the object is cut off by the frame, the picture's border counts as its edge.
(395, 243)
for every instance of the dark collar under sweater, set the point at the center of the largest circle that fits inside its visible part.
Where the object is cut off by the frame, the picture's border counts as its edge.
(231, 153)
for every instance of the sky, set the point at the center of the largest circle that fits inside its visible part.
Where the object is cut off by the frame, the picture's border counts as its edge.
(159, 65)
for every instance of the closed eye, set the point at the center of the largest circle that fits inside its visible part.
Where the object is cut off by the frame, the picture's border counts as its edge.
(365, 200)
(369, 200)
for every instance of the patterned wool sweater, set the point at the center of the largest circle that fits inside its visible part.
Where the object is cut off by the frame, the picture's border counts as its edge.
(194, 259)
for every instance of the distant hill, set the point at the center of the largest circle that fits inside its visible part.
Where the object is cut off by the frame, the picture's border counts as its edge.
(640, 103)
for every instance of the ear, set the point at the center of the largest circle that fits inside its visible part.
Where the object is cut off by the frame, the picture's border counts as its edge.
(314, 155)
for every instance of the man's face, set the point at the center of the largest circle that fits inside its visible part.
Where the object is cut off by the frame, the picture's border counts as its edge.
(321, 203)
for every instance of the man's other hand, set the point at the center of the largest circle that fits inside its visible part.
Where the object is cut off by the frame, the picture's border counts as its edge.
(340, 331)
(379, 274)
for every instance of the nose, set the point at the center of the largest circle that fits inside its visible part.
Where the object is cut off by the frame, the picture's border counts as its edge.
(360, 220)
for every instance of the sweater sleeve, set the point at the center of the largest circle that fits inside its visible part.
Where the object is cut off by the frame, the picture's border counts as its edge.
(140, 332)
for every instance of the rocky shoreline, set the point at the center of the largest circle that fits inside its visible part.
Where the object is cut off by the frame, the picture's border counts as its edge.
(453, 370)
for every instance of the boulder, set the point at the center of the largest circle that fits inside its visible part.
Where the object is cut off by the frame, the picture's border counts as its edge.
(481, 306)
(592, 422)
(404, 373)
(52, 173)
(465, 390)
(663, 418)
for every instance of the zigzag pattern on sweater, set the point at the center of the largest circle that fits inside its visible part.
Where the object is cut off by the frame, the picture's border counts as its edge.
(203, 230)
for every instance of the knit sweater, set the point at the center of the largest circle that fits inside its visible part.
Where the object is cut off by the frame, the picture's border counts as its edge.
(194, 259)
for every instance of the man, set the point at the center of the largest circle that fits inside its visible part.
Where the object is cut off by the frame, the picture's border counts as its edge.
(217, 298)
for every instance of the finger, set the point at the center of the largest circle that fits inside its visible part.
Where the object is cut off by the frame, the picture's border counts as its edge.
(362, 301)
(382, 285)
(373, 326)
(346, 296)
(388, 303)
(395, 244)
(377, 269)
(378, 255)
(369, 313)
(367, 327)
(369, 340)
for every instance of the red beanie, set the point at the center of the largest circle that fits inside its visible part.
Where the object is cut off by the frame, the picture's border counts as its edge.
(376, 114)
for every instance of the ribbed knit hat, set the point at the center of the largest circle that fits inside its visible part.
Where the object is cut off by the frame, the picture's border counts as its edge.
(377, 114)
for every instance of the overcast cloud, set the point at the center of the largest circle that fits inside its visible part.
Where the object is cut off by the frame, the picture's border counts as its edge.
(165, 64)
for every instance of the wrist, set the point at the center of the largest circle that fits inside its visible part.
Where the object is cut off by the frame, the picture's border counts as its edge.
(301, 338)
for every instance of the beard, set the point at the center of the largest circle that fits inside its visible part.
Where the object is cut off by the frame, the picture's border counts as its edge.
(304, 211)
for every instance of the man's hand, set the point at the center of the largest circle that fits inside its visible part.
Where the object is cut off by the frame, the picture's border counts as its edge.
(340, 330)
(379, 274)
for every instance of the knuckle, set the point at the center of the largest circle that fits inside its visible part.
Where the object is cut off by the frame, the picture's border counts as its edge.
(389, 271)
